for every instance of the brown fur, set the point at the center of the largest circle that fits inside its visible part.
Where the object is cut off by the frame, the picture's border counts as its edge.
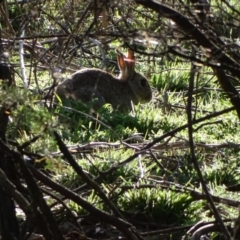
(88, 84)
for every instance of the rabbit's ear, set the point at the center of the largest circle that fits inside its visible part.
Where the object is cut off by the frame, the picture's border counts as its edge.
(121, 62)
(123, 67)
(130, 62)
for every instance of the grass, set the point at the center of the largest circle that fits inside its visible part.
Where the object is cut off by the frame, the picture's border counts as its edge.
(173, 164)
(102, 141)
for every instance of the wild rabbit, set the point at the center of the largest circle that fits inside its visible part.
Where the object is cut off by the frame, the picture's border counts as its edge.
(102, 87)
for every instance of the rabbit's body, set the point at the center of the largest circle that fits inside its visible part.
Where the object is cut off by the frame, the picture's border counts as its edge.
(102, 87)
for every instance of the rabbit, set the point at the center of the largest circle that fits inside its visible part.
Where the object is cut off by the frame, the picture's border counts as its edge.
(95, 84)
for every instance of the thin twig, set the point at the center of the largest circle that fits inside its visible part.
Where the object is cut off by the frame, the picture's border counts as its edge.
(193, 156)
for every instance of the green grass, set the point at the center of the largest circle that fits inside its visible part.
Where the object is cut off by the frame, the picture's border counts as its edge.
(77, 125)
(138, 188)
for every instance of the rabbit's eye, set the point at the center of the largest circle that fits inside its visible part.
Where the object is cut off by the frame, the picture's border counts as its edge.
(143, 82)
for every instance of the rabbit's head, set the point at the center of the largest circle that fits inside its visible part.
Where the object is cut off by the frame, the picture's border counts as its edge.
(138, 83)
